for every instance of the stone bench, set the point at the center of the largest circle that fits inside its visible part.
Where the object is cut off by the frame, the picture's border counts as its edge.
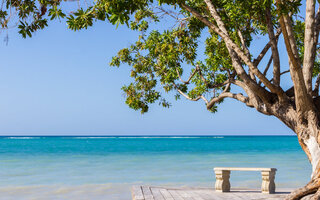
(223, 174)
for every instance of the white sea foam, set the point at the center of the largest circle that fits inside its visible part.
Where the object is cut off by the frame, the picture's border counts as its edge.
(22, 138)
(87, 137)
(147, 137)
(115, 137)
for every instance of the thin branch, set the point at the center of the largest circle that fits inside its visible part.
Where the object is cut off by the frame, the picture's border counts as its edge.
(284, 72)
(190, 77)
(255, 92)
(170, 13)
(223, 95)
(274, 49)
(243, 43)
(317, 25)
(187, 96)
(197, 69)
(246, 50)
(216, 85)
(201, 76)
(263, 52)
(316, 87)
(227, 87)
(224, 35)
(268, 66)
(266, 69)
(184, 94)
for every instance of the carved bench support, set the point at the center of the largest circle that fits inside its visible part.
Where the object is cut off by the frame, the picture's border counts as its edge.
(268, 186)
(222, 181)
(223, 175)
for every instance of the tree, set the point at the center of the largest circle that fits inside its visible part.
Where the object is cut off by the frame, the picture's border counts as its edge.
(168, 50)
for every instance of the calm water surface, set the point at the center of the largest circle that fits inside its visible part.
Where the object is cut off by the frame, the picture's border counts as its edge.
(106, 167)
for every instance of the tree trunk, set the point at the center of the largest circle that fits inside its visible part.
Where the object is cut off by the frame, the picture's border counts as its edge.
(309, 141)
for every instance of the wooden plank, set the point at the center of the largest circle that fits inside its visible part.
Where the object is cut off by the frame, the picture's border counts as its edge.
(147, 193)
(156, 193)
(137, 193)
(211, 196)
(175, 195)
(162, 193)
(206, 195)
(166, 194)
(195, 195)
(185, 195)
(239, 196)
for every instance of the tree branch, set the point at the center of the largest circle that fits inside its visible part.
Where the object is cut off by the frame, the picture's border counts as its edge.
(190, 77)
(197, 69)
(266, 48)
(286, 26)
(274, 49)
(187, 96)
(243, 43)
(224, 35)
(223, 95)
(254, 100)
(303, 103)
(239, 69)
(317, 26)
(201, 76)
(316, 87)
(268, 66)
(309, 45)
(266, 69)
(251, 101)
(255, 92)
(284, 72)
(246, 50)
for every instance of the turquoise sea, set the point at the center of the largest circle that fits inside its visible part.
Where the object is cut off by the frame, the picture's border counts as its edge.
(105, 167)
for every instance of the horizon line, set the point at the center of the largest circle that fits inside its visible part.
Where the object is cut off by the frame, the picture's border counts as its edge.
(141, 135)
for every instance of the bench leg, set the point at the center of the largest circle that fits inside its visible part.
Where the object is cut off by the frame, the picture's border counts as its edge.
(268, 186)
(222, 181)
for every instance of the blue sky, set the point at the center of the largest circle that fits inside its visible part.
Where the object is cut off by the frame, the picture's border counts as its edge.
(59, 83)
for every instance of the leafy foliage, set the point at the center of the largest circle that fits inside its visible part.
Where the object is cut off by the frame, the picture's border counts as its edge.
(32, 15)
(164, 54)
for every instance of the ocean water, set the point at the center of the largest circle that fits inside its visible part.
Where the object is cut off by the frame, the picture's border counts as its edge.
(105, 167)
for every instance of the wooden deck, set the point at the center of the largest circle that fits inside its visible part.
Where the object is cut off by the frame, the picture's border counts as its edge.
(162, 193)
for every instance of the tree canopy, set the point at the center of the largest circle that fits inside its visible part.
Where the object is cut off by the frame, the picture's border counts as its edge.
(162, 54)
